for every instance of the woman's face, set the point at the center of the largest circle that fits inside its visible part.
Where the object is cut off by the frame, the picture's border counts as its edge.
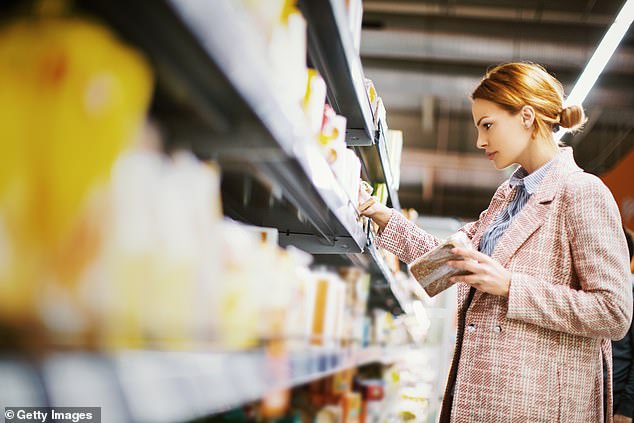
(503, 136)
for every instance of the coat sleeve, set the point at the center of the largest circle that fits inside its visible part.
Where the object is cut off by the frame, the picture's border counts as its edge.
(408, 242)
(404, 239)
(602, 308)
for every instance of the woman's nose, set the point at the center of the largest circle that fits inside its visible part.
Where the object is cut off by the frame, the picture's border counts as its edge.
(481, 142)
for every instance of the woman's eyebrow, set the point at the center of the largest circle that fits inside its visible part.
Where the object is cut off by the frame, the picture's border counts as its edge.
(480, 120)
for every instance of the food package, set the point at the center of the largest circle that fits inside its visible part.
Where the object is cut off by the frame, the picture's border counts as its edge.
(287, 54)
(314, 101)
(163, 251)
(300, 310)
(238, 287)
(332, 138)
(395, 149)
(342, 382)
(380, 114)
(329, 414)
(381, 193)
(347, 169)
(328, 297)
(274, 293)
(351, 404)
(73, 97)
(355, 18)
(431, 269)
(267, 14)
(184, 233)
(372, 95)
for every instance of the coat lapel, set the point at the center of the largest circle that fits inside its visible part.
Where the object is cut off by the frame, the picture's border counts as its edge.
(536, 210)
(499, 202)
(534, 213)
(527, 221)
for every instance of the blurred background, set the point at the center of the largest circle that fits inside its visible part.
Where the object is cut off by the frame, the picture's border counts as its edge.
(180, 237)
(427, 56)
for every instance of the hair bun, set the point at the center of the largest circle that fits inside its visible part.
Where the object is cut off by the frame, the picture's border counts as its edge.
(572, 117)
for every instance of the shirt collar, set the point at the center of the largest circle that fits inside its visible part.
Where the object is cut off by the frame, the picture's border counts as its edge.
(530, 181)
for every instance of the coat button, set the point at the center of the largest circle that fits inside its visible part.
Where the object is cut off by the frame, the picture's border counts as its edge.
(471, 327)
(497, 329)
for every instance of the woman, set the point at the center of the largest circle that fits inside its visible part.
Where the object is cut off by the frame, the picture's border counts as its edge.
(549, 286)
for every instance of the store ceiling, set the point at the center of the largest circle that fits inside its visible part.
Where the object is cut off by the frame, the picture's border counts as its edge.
(425, 57)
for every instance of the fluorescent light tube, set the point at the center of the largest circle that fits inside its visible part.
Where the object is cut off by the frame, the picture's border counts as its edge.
(600, 58)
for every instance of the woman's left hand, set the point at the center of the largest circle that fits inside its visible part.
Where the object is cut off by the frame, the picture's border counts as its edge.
(488, 275)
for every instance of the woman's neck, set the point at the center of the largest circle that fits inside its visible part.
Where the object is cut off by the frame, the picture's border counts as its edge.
(540, 152)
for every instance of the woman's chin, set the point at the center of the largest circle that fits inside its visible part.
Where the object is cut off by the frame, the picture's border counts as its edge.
(498, 165)
(501, 165)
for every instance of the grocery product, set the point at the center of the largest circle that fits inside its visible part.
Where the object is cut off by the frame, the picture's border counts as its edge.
(431, 269)
(73, 96)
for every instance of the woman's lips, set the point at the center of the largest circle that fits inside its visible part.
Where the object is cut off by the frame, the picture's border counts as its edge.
(491, 155)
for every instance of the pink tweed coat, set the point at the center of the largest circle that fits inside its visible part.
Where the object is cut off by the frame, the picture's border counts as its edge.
(537, 356)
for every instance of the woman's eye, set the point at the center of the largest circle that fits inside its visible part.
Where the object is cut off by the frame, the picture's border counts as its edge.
(487, 125)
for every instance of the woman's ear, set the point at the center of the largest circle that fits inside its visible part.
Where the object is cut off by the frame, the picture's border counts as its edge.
(528, 116)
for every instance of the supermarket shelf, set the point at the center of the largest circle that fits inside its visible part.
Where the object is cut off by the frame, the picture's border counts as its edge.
(378, 264)
(154, 386)
(332, 52)
(214, 101)
(381, 145)
(376, 164)
(383, 295)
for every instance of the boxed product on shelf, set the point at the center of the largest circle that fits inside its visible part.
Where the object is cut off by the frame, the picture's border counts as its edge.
(342, 381)
(380, 114)
(351, 407)
(394, 141)
(347, 169)
(383, 322)
(266, 235)
(332, 137)
(301, 305)
(371, 91)
(376, 104)
(344, 163)
(267, 295)
(329, 414)
(287, 52)
(266, 14)
(282, 30)
(413, 404)
(73, 97)
(162, 254)
(355, 17)
(329, 299)
(314, 102)
(357, 292)
(381, 192)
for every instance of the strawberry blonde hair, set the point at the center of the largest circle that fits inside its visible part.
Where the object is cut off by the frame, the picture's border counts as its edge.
(515, 85)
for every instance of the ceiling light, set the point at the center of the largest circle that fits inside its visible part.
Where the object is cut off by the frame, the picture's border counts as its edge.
(600, 58)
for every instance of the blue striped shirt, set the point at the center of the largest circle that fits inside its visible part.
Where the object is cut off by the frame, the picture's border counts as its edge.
(524, 185)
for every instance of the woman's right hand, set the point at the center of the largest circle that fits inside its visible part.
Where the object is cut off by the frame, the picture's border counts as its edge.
(371, 207)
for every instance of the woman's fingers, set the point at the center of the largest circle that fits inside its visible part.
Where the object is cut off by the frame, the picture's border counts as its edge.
(467, 265)
(363, 195)
(474, 280)
(472, 254)
(366, 205)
